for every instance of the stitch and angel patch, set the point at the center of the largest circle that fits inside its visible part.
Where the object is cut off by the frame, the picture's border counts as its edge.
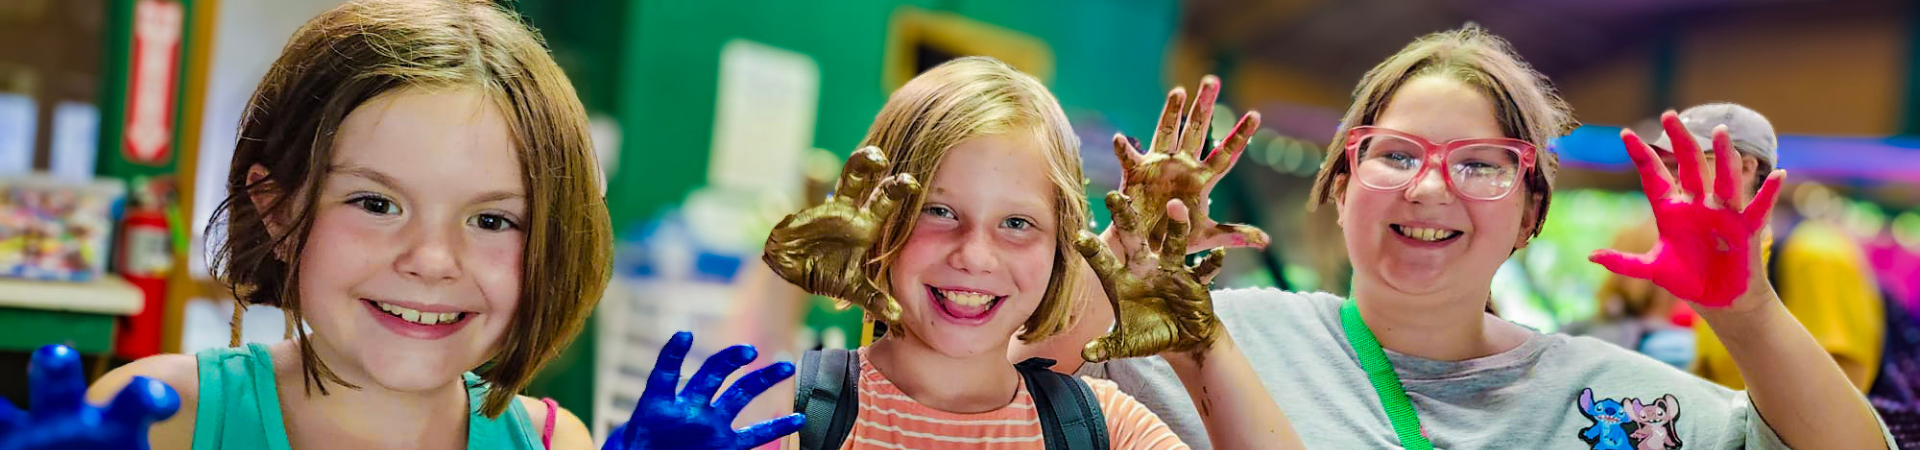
(1630, 423)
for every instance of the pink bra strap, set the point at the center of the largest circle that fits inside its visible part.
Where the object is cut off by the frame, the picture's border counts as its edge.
(546, 432)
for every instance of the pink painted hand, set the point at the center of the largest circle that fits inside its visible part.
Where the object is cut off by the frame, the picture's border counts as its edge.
(1709, 243)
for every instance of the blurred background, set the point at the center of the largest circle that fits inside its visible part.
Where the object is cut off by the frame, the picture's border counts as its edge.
(714, 119)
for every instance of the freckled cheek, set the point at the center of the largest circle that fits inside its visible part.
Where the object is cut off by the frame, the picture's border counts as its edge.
(1030, 259)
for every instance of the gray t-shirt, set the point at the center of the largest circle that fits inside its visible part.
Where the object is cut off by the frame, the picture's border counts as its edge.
(1552, 392)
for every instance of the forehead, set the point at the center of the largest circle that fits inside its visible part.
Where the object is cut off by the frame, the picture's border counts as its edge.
(1440, 109)
(455, 138)
(1005, 164)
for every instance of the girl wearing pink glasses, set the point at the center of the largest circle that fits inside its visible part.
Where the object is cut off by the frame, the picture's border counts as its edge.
(1439, 174)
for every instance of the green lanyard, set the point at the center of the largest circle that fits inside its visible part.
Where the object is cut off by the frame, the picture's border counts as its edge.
(1373, 360)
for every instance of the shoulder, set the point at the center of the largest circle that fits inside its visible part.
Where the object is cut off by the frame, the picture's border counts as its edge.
(1271, 323)
(1597, 363)
(1130, 424)
(180, 372)
(1113, 401)
(568, 431)
(1274, 302)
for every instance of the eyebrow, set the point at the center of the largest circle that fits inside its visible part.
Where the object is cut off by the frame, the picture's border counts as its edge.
(384, 180)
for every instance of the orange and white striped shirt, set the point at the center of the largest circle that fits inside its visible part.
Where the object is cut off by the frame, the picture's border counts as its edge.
(889, 420)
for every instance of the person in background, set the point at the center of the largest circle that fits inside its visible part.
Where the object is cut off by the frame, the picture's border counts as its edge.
(1819, 271)
(1637, 315)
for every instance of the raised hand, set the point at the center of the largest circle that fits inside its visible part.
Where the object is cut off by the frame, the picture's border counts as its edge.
(822, 248)
(1709, 244)
(692, 419)
(1173, 168)
(1159, 304)
(62, 419)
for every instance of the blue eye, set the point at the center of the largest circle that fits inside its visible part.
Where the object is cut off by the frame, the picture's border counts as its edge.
(1017, 223)
(940, 211)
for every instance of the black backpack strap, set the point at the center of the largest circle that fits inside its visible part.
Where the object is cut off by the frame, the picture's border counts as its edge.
(1070, 416)
(828, 394)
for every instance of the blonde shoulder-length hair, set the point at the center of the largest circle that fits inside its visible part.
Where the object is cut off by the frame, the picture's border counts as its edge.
(973, 97)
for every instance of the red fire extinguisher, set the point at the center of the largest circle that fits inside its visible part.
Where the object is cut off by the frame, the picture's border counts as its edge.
(145, 255)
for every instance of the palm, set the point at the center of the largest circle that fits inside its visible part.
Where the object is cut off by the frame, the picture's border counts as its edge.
(1708, 244)
(823, 248)
(1160, 303)
(1173, 169)
(61, 418)
(693, 419)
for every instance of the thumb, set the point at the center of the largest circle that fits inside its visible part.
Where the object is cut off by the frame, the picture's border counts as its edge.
(764, 432)
(1626, 264)
(1097, 350)
(143, 402)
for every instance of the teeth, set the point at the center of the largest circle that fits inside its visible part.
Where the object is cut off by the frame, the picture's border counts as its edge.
(1426, 234)
(415, 316)
(966, 298)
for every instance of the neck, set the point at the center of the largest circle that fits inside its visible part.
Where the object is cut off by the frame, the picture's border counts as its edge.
(1454, 329)
(974, 384)
(371, 416)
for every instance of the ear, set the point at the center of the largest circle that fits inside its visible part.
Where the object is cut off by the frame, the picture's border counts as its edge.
(1529, 218)
(1339, 195)
(1586, 399)
(1633, 404)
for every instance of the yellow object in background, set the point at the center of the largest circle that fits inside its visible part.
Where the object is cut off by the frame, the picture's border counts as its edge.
(1823, 280)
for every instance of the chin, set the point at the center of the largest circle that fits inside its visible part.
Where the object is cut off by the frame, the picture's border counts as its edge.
(413, 372)
(967, 344)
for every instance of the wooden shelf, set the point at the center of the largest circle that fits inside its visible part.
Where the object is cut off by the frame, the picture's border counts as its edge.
(109, 295)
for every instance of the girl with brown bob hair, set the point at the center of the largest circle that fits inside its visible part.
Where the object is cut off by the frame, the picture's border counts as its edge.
(413, 186)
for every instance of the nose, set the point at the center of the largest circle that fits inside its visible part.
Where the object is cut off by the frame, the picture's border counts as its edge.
(1431, 186)
(429, 253)
(975, 253)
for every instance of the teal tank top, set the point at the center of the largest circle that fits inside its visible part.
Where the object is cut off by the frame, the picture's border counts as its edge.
(240, 407)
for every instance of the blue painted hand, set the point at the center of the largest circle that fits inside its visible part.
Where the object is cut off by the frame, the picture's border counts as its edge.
(62, 419)
(692, 419)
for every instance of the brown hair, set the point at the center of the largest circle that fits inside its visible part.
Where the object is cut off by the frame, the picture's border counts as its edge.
(1527, 106)
(972, 97)
(364, 49)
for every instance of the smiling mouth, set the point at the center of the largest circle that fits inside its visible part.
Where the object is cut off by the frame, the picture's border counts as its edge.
(419, 317)
(1426, 234)
(964, 305)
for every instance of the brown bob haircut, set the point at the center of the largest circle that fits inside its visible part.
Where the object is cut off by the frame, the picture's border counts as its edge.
(368, 48)
(1527, 106)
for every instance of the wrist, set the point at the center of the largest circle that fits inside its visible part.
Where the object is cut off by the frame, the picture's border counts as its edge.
(1754, 312)
(1194, 359)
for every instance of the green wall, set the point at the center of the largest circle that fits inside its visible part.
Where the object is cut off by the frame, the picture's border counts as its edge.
(658, 79)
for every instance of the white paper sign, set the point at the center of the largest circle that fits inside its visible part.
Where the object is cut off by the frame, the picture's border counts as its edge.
(76, 137)
(18, 121)
(764, 117)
